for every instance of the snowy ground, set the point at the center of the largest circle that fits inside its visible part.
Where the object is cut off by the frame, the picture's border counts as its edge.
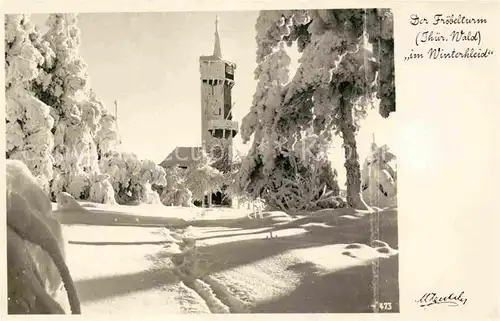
(154, 259)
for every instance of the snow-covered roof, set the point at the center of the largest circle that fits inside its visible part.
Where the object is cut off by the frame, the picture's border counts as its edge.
(182, 156)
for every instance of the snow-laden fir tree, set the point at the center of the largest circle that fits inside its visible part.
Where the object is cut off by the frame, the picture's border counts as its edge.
(379, 177)
(133, 178)
(57, 125)
(65, 88)
(84, 116)
(332, 88)
(338, 73)
(285, 166)
(175, 192)
(107, 139)
(28, 120)
(63, 37)
(203, 179)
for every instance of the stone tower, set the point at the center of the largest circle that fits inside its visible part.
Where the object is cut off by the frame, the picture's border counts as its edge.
(217, 125)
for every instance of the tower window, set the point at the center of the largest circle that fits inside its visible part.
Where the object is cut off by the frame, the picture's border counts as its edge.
(218, 133)
(218, 111)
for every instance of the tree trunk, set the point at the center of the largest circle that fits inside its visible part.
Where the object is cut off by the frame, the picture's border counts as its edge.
(353, 169)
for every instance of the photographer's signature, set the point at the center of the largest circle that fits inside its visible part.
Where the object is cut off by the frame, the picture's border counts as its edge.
(451, 299)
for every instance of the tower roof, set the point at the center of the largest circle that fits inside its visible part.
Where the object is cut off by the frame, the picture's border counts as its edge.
(217, 50)
(217, 54)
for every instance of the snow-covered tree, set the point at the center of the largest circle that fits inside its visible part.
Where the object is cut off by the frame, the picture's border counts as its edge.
(133, 178)
(201, 178)
(331, 90)
(107, 139)
(86, 136)
(64, 86)
(28, 120)
(379, 26)
(283, 155)
(231, 177)
(175, 192)
(56, 124)
(379, 177)
(338, 73)
(101, 189)
(384, 157)
(221, 154)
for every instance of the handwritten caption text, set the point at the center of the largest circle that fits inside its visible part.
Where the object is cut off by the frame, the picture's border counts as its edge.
(447, 36)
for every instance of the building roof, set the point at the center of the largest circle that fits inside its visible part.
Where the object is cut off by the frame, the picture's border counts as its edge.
(182, 156)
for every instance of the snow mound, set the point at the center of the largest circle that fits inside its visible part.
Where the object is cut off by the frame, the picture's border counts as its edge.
(20, 182)
(66, 201)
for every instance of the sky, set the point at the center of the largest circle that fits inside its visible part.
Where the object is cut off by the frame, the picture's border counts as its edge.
(149, 63)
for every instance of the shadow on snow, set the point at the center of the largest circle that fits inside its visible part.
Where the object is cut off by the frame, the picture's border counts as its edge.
(348, 290)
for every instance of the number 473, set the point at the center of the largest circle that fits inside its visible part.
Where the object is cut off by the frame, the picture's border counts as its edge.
(385, 306)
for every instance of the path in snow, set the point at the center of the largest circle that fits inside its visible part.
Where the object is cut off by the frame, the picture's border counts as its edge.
(123, 279)
(320, 263)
